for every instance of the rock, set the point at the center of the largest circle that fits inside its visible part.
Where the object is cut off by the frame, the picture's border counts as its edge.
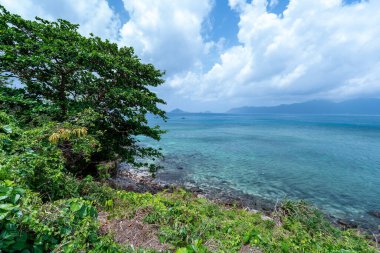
(376, 238)
(196, 190)
(374, 213)
(265, 218)
(137, 181)
(345, 224)
(249, 249)
(179, 168)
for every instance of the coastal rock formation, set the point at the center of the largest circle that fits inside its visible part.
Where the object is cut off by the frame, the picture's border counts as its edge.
(374, 213)
(137, 180)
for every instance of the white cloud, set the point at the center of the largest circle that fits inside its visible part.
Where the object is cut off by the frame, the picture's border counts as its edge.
(273, 3)
(167, 33)
(237, 4)
(94, 16)
(317, 49)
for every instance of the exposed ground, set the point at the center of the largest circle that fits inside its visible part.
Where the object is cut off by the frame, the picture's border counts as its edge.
(133, 231)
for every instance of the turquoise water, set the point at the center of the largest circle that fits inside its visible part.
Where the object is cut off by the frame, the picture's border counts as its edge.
(331, 161)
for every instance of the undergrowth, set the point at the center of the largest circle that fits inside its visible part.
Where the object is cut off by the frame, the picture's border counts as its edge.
(194, 224)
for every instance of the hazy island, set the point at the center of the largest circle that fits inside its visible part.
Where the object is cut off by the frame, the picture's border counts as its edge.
(71, 108)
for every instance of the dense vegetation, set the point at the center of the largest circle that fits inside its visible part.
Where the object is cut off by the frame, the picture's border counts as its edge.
(91, 96)
(71, 108)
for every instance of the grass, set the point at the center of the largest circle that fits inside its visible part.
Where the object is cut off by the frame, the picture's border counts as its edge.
(192, 224)
(179, 221)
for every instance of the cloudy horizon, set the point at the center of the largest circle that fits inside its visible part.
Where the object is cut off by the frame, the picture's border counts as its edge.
(223, 54)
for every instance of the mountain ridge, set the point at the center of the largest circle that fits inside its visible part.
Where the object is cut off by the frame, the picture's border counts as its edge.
(369, 106)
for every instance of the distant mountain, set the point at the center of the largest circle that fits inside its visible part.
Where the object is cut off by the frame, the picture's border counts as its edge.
(356, 106)
(177, 111)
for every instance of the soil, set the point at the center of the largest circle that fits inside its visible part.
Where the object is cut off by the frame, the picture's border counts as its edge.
(133, 231)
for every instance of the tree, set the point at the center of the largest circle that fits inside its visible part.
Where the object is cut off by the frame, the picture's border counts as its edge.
(82, 81)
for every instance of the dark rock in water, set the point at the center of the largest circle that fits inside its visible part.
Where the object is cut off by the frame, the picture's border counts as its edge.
(179, 168)
(346, 224)
(195, 189)
(374, 213)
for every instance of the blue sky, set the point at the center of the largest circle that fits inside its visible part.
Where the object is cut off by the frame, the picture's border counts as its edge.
(219, 54)
(222, 21)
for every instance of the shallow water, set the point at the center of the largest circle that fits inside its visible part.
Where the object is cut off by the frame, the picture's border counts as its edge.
(332, 161)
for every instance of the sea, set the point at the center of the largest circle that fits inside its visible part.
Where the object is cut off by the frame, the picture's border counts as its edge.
(330, 161)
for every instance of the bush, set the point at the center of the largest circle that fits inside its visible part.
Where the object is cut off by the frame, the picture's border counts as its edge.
(29, 225)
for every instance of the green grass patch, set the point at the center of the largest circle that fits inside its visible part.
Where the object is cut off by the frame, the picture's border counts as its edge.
(194, 224)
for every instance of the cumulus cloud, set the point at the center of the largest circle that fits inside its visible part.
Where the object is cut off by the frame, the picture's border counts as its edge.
(316, 49)
(94, 16)
(273, 3)
(167, 33)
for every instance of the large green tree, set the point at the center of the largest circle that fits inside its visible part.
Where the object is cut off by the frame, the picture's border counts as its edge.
(61, 76)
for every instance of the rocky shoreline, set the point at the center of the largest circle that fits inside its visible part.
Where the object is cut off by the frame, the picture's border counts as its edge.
(140, 180)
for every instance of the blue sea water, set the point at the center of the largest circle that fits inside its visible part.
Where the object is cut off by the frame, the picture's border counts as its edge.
(332, 161)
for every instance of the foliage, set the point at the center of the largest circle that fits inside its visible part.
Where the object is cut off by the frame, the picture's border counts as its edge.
(68, 225)
(70, 108)
(29, 158)
(197, 225)
(82, 81)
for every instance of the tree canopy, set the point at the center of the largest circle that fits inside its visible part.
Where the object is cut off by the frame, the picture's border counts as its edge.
(49, 73)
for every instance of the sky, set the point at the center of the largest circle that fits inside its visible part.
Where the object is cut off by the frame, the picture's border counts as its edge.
(220, 54)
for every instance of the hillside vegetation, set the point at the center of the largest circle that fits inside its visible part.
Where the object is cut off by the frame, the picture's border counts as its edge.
(71, 108)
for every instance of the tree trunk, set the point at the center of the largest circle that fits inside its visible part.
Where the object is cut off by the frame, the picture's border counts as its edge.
(62, 97)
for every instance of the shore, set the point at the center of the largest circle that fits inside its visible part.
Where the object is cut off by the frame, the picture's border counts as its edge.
(141, 180)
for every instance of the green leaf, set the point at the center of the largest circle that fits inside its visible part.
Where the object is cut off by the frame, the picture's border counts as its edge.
(182, 250)
(16, 198)
(7, 207)
(3, 197)
(3, 215)
(21, 242)
(75, 206)
(38, 249)
(7, 129)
